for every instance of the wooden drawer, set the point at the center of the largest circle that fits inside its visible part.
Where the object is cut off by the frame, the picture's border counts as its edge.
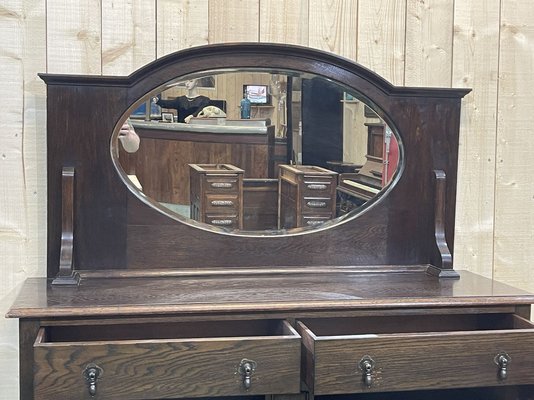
(313, 220)
(416, 352)
(222, 204)
(221, 184)
(317, 187)
(317, 205)
(167, 360)
(223, 220)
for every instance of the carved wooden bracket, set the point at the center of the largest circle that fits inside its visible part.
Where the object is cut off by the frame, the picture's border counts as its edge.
(67, 276)
(443, 267)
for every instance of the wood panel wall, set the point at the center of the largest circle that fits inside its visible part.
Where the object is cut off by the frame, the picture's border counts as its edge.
(485, 45)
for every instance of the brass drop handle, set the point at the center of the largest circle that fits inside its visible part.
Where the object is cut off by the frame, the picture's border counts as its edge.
(246, 369)
(503, 360)
(367, 365)
(92, 373)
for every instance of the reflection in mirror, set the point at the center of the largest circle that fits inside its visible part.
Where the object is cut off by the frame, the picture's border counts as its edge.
(259, 151)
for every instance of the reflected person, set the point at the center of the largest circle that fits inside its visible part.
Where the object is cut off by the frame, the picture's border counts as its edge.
(189, 105)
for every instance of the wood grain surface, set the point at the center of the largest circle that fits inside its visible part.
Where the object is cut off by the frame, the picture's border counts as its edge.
(382, 38)
(432, 360)
(395, 230)
(162, 162)
(163, 368)
(242, 292)
(476, 65)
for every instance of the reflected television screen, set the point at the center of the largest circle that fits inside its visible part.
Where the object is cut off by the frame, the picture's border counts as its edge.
(257, 94)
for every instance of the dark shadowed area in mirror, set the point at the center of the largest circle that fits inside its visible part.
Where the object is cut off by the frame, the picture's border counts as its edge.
(259, 152)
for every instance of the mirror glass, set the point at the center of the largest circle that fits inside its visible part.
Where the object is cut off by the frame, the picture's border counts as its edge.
(257, 151)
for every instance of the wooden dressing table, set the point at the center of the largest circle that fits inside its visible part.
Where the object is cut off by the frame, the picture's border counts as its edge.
(140, 304)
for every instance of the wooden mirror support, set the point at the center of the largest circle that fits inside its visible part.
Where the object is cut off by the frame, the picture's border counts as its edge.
(67, 274)
(139, 304)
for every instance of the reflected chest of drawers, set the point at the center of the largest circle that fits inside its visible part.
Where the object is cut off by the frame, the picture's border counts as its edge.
(306, 196)
(216, 194)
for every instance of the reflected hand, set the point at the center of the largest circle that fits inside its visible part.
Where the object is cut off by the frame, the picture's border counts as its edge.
(128, 138)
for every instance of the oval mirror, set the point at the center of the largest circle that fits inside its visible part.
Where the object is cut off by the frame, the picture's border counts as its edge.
(258, 152)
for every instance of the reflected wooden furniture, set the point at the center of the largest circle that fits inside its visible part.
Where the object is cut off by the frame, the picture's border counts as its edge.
(375, 139)
(166, 149)
(146, 306)
(260, 204)
(280, 154)
(356, 188)
(216, 194)
(306, 196)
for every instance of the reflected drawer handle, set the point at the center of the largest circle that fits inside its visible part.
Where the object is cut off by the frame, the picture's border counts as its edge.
(220, 185)
(367, 365)
(92, 373)
(503, 360)
(316, 204)
(222, 222)
(316, 186)
(222, 203)
(314, 222)
(246, 368)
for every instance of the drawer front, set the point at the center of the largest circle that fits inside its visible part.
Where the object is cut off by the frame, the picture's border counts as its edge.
(154, 369)
(314, 220)
(317, 188)
(224, 185)
(417, 361)
(317, 205)
(222, 204)
(222, 220)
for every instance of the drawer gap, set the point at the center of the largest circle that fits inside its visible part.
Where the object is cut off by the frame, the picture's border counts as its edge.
(175, 330)
(415, 324)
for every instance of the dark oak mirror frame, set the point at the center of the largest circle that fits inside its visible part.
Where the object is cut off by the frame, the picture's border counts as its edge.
(113, 232)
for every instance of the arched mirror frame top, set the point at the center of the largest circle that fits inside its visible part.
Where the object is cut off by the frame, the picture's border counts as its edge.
(261, 58)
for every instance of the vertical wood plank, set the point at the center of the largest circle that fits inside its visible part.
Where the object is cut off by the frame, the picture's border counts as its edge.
(382, 37)
(233, 21)
(22, 166)
(13, 220)
(74, 43)
(181, 24)
(128, 35)
(514, 189)
(429, 31)
(284, 21)
(34, 135)
(334, 26)
(475, 65)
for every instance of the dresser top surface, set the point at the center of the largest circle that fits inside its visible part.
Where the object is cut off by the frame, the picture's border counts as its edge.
(247, 293)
